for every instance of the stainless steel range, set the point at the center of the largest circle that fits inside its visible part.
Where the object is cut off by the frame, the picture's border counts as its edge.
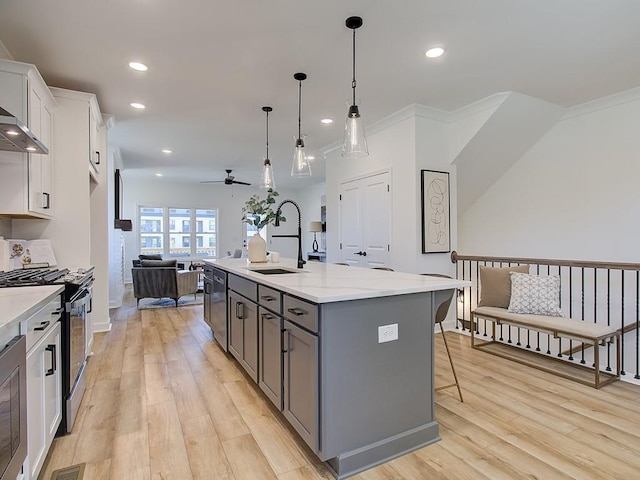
(77, 299)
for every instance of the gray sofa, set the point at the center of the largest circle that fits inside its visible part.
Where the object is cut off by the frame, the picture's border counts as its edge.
(162, 279)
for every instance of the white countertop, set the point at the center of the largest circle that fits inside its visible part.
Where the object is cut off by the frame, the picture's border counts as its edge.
(19, 303)
(326, 282)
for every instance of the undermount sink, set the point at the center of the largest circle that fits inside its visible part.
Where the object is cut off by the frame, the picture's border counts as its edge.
(273, 271)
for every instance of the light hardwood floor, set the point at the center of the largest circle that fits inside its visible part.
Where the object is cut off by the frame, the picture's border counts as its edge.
(164, 402)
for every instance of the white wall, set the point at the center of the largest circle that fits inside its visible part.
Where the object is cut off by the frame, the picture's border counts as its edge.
(574, 195)
(229, 201)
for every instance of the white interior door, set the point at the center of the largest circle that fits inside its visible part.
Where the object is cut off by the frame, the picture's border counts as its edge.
(365, 222)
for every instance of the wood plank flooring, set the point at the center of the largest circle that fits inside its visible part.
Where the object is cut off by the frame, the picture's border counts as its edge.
(164, 402)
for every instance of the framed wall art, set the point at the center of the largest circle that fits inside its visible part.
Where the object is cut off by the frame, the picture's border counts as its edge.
(435, 212)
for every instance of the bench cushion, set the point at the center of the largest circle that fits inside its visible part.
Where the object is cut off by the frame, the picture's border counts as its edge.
(558, 326)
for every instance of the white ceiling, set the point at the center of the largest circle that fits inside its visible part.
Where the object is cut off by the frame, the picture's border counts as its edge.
(214, 64)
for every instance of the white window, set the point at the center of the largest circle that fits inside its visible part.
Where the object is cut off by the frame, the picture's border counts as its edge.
(179, 240)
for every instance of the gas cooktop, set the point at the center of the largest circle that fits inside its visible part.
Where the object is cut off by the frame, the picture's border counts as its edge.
(43, 276)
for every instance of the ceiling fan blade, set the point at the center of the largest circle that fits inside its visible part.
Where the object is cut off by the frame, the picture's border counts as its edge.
(212, 181)
(237, 182)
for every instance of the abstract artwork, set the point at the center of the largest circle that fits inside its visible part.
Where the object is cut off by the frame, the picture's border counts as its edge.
(435, 212)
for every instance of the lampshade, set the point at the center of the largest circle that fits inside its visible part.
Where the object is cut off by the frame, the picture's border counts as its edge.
(267, 180)
(355, 143)
(315, 226)
(300, 166)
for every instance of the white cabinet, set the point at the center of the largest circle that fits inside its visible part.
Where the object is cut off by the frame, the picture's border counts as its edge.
(95, 149)
(26, 186)
(44, 383)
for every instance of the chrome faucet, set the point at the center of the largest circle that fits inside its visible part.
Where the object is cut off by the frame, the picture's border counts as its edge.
(301, 262)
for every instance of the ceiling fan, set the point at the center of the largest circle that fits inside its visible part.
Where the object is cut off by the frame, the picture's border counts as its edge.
(230, 180)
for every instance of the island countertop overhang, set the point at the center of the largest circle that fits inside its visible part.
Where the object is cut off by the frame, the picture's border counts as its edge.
(327, 283)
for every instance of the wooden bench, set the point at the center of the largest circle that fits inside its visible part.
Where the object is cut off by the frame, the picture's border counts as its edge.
(559, 327)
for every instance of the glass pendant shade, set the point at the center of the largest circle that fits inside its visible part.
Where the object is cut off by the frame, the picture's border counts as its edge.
(355, 143)
(266, 180)
(300, 167)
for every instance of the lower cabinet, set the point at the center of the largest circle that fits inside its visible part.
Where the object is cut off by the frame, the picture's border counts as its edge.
(44, 396)
(243, 332)
(270, 355)
(300, 356)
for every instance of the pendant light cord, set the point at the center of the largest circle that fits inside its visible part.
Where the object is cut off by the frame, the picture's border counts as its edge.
(267, 135)
(299, 107)
(353, 83)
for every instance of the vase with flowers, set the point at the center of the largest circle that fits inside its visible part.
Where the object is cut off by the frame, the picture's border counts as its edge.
(259, 213)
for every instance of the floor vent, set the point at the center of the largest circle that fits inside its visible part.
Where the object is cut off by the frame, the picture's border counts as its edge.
(74, 472)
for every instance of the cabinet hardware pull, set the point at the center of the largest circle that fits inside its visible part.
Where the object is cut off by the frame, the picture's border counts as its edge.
(51, 348)
(47, 197)
(206, 288)
(239, 310)
(43, 326)
(56, 312)
(268, 316)
(296, 311)
(268, 298)
(286, 336)
(97, 158)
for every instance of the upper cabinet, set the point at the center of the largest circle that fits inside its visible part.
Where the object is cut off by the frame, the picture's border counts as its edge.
(26, 183)
(95, 127)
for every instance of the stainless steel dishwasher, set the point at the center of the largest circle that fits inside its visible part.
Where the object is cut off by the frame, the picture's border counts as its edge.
(215, 303)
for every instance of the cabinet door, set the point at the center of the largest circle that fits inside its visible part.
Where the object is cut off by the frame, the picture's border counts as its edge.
(36, 429)
(208, 287)
(301, 382)
(40, 168)
(44, 397)
(52, 383)
(270, 351)
(243, 333)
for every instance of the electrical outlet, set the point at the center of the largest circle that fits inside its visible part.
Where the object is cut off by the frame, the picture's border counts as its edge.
(387, 333)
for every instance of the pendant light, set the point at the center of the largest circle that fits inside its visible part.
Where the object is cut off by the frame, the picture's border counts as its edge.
(355, 144)
(300, 167)
(267, 181)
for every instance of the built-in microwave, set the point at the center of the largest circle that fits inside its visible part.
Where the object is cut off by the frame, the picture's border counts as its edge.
(13, 407)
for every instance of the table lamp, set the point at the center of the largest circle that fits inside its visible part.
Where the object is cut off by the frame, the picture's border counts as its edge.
(315, 227)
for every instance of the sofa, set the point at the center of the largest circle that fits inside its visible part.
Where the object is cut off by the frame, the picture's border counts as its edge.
(136, 261)
(162, 279)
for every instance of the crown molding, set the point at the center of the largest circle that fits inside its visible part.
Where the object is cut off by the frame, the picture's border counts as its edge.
(603, 103)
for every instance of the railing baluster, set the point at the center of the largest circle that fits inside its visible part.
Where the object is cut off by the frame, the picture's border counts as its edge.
(622, 372)
(608, 369)
(637, 375)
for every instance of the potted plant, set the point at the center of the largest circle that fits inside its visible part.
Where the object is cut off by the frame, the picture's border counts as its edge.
(259, 213)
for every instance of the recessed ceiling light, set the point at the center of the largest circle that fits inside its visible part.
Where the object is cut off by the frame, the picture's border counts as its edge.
(310, 157)
(141, 67)
(326, 121)
(159, 174)
(31, 149)
(167, 151)
(139, 106)
(11, 132)
(434, 52)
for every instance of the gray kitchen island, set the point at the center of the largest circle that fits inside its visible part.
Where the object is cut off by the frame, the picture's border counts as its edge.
(345, 353)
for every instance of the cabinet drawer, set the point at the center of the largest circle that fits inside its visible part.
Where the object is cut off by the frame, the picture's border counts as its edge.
(270, 298)
(244, 287)
(41, 322)
(301, 312)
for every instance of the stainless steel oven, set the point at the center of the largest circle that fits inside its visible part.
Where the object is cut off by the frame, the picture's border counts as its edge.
(74, 355)
(13, 408)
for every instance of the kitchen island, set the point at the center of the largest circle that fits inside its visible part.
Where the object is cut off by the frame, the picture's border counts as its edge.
(345, 353)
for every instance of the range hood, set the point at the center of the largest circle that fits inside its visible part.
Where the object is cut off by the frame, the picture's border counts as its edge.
(16, 137)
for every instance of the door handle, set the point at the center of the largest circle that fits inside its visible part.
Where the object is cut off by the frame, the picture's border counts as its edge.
(51, 348)
(363, 254)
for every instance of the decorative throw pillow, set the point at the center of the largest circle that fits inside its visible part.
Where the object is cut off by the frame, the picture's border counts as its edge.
(159, 263)
(495, 285)
(536, 294)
